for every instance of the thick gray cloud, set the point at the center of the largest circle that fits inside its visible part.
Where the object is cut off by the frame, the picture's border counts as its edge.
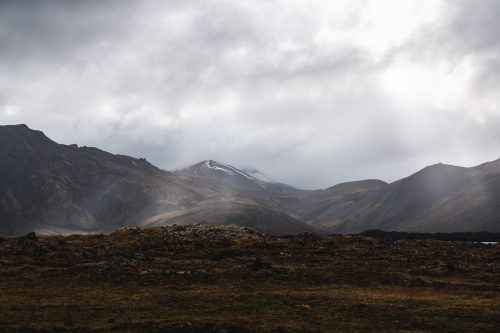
(312, 93)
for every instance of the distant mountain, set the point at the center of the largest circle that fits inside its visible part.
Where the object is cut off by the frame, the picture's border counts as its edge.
(329, 208)
(233, 177)
(54, 188)
(226, 173)
(439, 198)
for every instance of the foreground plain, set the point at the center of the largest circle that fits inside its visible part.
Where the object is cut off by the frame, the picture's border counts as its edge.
(207, 278)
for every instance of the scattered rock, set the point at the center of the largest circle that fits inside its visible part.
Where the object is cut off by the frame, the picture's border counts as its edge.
(258, 264)
(450, 267)
(116, 262)
(38, 251)
(139, 256)
(171, 266)
(30, 236)
(89, 253)
(130, 228)
(203, 232)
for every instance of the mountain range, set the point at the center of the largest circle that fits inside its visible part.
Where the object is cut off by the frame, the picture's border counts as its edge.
(54, 188)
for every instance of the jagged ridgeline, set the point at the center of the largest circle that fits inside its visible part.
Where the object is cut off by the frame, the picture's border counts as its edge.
(54, 188)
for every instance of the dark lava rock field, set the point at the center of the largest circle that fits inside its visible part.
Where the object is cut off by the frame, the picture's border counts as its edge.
(209, 278)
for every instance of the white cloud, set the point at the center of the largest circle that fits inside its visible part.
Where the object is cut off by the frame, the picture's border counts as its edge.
(310, 92)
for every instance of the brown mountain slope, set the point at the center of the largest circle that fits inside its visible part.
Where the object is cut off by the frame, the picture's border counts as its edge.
(49, 187)
(439, 198)
(328, 208)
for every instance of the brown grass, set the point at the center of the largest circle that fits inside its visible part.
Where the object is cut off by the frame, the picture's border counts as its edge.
(140, 281)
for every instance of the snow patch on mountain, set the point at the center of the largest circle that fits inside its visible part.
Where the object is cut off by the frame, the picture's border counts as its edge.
(226, 168)
(216, 167)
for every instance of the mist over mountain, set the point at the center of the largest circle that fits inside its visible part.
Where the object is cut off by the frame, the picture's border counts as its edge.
(49, 187)
(54, 188)
(438, 198)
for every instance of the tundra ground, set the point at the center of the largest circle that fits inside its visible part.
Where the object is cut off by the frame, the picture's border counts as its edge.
(206, 278)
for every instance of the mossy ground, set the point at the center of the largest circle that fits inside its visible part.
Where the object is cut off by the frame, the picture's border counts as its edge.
(175, 280)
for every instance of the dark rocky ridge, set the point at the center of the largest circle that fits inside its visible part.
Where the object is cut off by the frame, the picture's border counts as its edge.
(44, 184)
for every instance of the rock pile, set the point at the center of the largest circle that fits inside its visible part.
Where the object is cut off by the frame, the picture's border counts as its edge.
(209, 232)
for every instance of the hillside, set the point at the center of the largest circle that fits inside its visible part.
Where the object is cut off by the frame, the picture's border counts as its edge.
(439, 198)
(54, 188)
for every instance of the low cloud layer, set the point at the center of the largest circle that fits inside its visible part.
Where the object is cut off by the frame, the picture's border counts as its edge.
(311, 93)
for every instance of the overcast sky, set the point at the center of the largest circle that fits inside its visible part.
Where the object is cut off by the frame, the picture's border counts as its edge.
(312, 93)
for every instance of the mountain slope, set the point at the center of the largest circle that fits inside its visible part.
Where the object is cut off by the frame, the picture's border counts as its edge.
(49, 187)
(329, 208)
(439, 198)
